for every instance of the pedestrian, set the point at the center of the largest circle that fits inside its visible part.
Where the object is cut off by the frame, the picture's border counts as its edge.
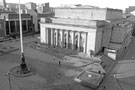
(59, 75)
(104, 88)
(132, 58)
(59, 63)
(54, 58)
(68, 87)
(99, 72)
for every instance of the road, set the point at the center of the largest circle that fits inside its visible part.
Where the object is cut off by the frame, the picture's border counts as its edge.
(125, 71)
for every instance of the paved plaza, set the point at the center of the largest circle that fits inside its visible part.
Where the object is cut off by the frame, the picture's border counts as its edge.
(49, 75)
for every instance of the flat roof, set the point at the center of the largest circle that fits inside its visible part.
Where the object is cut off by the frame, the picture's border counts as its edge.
(16, 16)
(88, 8)
(71, 25)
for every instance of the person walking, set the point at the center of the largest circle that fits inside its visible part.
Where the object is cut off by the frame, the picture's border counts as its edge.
(54, 58)
(59, 75)
(59, 63)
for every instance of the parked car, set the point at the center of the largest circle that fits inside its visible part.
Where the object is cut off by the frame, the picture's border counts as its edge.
(90, 79)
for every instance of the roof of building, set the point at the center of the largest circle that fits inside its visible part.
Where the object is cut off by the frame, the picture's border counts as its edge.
(89, 8)
(71, 25)
(45, 15)
(15, 5)
(14, 16)
(131, 18)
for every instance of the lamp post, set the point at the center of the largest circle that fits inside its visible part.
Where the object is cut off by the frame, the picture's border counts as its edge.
(9, 79)
(119, 86)
(23, 66)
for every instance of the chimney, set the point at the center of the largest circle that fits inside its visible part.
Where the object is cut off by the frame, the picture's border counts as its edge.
(4, 3)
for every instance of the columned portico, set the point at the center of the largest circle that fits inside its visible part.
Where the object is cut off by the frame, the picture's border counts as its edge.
(74, 38)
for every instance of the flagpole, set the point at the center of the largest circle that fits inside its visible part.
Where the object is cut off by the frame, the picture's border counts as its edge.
(21, 39)
(23, 66)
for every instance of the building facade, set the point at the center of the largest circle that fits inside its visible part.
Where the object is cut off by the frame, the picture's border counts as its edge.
(11, 24)
(79, 29)
(118, 39)
(72, 37)
(31, 6)
(43, 8)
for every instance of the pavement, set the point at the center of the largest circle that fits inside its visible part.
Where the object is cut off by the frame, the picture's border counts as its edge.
(47, 70)
(122, 75)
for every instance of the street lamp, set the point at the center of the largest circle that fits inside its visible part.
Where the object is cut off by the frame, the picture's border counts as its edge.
(9, 79)
(117, 81)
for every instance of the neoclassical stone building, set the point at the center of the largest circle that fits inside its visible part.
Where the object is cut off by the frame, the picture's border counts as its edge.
(78, 29)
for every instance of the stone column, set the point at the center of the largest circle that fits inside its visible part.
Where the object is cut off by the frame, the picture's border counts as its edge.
(58, 39)
(52, 36)
(27, 25)
(46, 30)
(62, 39)
(15, 26)
(9, 27)
(73, 40)
(56, 36)
(79, 34)
(67, 39)
(44, 36)
(85, 49)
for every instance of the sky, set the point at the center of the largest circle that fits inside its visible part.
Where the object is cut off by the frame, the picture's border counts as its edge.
(116, 4)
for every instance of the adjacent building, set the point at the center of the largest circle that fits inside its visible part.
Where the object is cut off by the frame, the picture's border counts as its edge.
(79, 29)
(31, 6)
(117, 38)
(43, 8)
(10, 24)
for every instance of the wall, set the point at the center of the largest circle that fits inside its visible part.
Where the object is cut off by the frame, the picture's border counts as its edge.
(2, 28)
(93, 23)
(35, 18)
(98, 45)
(91, 41)
(113, 14)
(106, 36)
(81, 13)
(49, 36)
(43, 35)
